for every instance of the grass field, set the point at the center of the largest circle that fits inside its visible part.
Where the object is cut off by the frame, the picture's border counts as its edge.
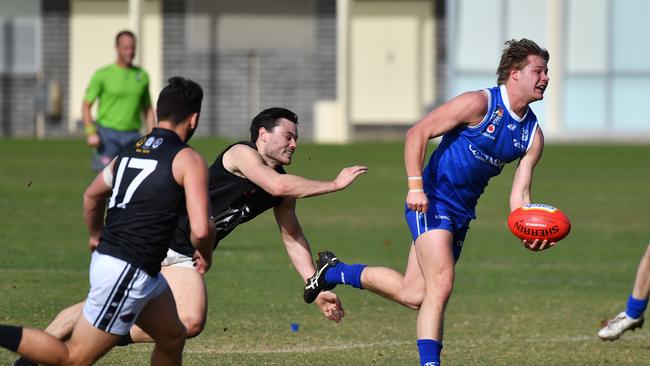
(509, 307)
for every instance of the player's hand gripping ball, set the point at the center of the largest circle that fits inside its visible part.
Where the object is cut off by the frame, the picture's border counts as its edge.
(539, 221)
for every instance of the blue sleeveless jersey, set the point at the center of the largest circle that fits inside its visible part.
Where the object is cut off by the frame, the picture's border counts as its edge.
(467, 157)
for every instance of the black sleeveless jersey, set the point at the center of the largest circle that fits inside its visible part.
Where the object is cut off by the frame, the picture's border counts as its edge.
(234, 199)
(145, 202)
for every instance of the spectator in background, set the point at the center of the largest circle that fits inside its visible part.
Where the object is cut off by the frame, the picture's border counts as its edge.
(123, 92)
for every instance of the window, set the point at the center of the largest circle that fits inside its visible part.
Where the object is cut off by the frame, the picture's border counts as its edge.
(20, 36)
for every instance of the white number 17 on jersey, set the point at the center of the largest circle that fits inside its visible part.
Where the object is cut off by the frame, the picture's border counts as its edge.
(146, 166)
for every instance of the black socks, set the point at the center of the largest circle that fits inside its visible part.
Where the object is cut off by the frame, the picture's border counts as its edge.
(10, 337)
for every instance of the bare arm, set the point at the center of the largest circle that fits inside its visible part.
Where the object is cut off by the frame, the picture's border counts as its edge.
(94, 205)
(294, 239)
(92, 139)
(247, 162)
(150, 118)
(522, 183)
(523, 180)
(466, 109)
(299, 252)
(191, 172)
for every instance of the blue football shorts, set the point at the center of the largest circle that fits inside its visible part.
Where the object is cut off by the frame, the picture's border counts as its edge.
(438, 217)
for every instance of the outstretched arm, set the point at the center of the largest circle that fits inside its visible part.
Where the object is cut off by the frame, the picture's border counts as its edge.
(244, 161)
(299, 252)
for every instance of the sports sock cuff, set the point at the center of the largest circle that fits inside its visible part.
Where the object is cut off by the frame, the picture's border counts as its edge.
(357, 269)
(636, 307)
(345, 274)
(10, 337)
(125, 340)
(429, 350)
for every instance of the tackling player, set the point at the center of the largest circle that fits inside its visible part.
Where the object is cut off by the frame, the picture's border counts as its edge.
(246, 179)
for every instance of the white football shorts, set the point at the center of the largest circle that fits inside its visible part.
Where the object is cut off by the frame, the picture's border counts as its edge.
(176, 259)
(118, 293)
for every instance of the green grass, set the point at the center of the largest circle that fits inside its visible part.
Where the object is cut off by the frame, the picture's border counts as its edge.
(509, 307)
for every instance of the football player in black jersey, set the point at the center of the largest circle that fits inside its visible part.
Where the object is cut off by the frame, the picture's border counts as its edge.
(146, 185)
(246, 179)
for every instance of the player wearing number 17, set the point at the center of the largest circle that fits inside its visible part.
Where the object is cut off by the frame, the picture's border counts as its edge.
(147, 184)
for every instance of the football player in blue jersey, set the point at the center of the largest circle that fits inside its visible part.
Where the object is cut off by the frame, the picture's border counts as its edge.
(637, 302)
(481, 132)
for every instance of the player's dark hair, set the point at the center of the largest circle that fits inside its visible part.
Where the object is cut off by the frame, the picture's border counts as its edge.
(515, 55)
(268, 119)
(178, 100)
(123, 33)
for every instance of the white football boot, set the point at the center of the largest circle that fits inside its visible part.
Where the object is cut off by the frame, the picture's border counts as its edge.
(619, 325)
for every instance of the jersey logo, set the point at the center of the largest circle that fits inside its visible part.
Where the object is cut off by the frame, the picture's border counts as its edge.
(518, 145)
(485, 157)
(488, 132)
(140, 141)
(230, 218)
(157, 143)
(496, 116)
(149, 142)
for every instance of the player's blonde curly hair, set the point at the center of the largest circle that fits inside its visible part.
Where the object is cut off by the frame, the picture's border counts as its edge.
(515, 55)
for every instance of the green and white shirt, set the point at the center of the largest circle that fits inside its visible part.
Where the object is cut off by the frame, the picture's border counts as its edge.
(123, 93)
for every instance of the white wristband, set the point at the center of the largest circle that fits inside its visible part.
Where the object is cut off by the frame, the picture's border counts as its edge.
(416, 190)
(417, 177)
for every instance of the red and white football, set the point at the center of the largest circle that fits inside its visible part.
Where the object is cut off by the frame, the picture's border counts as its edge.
(539, 221)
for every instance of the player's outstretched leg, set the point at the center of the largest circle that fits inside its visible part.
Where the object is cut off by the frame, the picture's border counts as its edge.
(406, 289)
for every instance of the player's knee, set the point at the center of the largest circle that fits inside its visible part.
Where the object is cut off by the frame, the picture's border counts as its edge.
(413, 300)
(76, 356)
(193, 325)
(441, 291)
(173, 340)
(411, 304)
(177, 341)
